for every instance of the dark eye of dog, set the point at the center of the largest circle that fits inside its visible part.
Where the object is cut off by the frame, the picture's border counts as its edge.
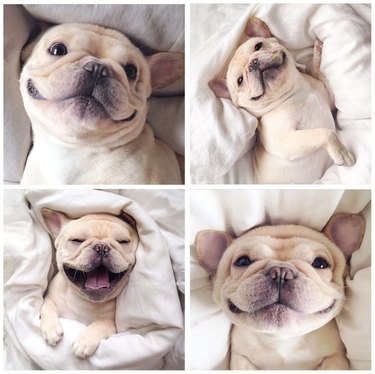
(77, 240)
(320, 263)
(131, 72)
(240, 80)
(258, 46)
(124, 241)
(58, 49)
(243, 261)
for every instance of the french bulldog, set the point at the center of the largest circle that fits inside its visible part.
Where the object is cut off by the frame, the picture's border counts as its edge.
(296, 138)
(282, 287)
(85, 89)
(95, 255)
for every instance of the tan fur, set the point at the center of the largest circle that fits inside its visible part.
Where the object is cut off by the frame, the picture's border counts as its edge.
(74, 144)
(66, 298)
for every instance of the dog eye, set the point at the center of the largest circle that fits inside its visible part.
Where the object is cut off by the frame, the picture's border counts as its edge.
(77, 240)
(240, 80)
(320, 263)
(242, 261)
(58, 49)
(258, 46)
(125, 241)
(131, 72)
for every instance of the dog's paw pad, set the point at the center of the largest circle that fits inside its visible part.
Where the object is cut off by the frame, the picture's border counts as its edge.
(83, 348)
(52, 333)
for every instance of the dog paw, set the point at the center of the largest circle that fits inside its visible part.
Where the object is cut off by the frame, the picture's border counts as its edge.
(84, 346)
(318, 47)
(344, 157)
(52, 332)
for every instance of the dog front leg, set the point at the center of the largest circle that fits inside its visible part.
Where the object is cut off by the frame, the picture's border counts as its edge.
(301, 143)
(90, 338)
(337, 361)
(52, 330)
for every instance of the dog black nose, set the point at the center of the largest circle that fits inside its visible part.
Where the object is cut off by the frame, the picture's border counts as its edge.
(281, 274)
(101, 249)
(97, 69)
(254, 64)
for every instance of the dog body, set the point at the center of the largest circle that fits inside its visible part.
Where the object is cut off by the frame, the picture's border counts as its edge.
(85, 89)
(296, 134)
(95, 255)
(282, 286)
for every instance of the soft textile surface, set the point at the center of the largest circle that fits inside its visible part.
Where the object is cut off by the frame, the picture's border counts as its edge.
(152, 28)
(148, 330)
(236, 211)
(222, 136)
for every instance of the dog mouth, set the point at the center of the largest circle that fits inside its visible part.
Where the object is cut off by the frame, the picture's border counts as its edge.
(267, 73)
(99, 279)
(277, 305)
(85, 105)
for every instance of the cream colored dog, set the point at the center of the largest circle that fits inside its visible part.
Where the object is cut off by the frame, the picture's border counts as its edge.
(296, 132)
(282, 287)
(85, 89)
(95, 255)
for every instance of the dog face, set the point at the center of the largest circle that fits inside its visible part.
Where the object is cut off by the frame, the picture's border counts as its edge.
(280, 279)
(95, 253)
(261, 73)
(85, 84)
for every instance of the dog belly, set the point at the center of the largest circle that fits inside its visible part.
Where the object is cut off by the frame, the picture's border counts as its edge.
(270, 169)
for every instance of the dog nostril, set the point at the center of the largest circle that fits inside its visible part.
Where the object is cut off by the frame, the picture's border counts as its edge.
(97, 68)
(101, 249)
(281, 274)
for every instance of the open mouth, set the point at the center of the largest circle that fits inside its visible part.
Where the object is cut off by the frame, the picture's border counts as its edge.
(99, 279)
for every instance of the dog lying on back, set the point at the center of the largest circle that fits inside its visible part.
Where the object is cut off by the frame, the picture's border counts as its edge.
(296, 140)
(281, 287)
(85, 89)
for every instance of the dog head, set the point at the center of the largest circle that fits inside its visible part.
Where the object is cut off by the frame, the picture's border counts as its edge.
(284, 280)
(95, 253)
(261, 74)
(87, 84)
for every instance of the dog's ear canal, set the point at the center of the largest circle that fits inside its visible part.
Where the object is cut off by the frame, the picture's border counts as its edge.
(219, 87)
(346, 231)
(54, 220)
(166, 68)
(209, 247)
(257, 28)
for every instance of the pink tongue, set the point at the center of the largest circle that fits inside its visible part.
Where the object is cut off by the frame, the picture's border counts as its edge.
(97, 279)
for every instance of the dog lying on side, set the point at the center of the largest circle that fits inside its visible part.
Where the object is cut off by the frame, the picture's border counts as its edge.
(95, 255)
(85, 89)
(281, 287)
(296, 140)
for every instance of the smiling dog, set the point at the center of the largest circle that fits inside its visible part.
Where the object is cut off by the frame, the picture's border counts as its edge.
(296, 140)
(281, 287)
(95, 255)
(85, 89)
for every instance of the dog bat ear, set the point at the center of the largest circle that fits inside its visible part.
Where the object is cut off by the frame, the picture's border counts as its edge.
(166, 68)
(209, 247)
(257, 28)
(128, 219)
(346, 231)
(219, 87)
(54, 220)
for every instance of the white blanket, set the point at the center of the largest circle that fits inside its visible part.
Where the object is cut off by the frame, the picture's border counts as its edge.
(236, 211)
(148, 311)
(152, 28)
(222, 136)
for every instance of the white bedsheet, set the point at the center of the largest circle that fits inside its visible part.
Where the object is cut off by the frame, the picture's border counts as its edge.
(148, 312)
(236, 211)
(222, 136)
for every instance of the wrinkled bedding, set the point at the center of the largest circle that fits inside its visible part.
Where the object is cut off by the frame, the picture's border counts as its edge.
(152, 28)
(149, 333)
(222, 136)
(236, 211)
